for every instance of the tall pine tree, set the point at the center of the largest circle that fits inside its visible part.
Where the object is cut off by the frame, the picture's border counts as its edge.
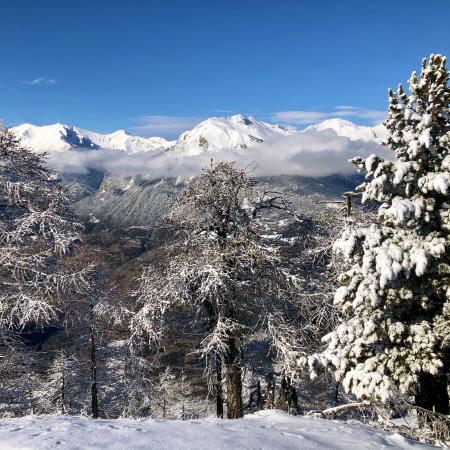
(396, 297)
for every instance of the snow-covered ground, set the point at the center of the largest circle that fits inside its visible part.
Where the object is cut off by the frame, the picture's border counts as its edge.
(263, 430)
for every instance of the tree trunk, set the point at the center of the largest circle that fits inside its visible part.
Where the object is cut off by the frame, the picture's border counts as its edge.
(233, 380)
(336, 393)
(432, 393)
(219, 390)
(63, 390)
(259, 398)
(270, 402)
(94, 391)
(282, 400)
(293, 398)
(218, 383)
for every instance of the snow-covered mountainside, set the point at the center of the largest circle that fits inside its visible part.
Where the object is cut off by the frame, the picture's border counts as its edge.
(236, 132)
(269, 429)
(345, 128)
(232, 132)
(143, 201)
(59, 138)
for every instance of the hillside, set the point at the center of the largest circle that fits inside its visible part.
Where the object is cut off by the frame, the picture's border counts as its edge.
(270, 429)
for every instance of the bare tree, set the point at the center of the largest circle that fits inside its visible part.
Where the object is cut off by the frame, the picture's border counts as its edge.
(222, 265)
(62, 389)
(37, 228)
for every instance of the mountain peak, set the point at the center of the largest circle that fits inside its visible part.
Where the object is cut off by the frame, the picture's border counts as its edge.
(240, 119)
(336, 121)
(120, 133)
(345, 128)
(236, 132)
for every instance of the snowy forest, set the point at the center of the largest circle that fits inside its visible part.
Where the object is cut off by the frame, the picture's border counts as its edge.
(238, 301)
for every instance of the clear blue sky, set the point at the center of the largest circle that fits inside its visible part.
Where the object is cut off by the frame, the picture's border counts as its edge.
(153, 67)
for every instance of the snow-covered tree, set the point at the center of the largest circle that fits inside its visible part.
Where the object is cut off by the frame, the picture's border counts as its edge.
(173, 396)
(396, 297)
(20, 377)
(166, 393)
(37, 228)
(127, 387)
(63, 389)
(90, 320)
(223, 265)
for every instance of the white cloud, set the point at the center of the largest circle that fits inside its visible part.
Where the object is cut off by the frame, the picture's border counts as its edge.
(167, 126)
(373, 116)
(40, 80)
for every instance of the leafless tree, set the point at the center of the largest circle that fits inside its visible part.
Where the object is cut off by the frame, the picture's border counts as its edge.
(37, 228)
(223, 265)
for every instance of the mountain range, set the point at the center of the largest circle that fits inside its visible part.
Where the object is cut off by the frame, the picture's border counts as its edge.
(59, 138)
(236, 132)
(121, 201)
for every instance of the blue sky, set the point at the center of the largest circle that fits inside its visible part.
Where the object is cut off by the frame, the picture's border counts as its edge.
(156, 67)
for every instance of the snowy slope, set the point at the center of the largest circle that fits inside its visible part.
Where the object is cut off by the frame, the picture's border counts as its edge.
(345, 128)
(59, 137)
(232, 132)
(263, 430)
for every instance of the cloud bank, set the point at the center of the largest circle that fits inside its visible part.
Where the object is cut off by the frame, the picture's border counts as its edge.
(310, 153)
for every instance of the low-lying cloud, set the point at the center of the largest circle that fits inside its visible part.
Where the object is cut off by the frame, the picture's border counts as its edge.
(310, 153)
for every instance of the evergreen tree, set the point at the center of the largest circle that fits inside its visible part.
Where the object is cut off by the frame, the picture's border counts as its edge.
(396, 297)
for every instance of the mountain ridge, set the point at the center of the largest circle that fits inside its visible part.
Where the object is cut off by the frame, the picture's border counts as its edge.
(236, 132)
(60, 137)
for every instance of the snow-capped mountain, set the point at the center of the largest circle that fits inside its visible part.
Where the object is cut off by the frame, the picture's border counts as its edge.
(232, 132)
(128, 200)
(345, 128)
(59, 138)
(236, 132)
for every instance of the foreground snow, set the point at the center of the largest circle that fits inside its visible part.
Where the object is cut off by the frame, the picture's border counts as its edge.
(263, 430)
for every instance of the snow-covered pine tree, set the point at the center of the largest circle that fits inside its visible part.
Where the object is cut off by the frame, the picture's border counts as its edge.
(37, 228)
(396, 297)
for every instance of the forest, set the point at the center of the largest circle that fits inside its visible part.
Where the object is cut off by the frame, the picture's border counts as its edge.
(237, 301)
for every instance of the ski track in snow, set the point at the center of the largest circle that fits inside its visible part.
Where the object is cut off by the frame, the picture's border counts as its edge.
(262, 430)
